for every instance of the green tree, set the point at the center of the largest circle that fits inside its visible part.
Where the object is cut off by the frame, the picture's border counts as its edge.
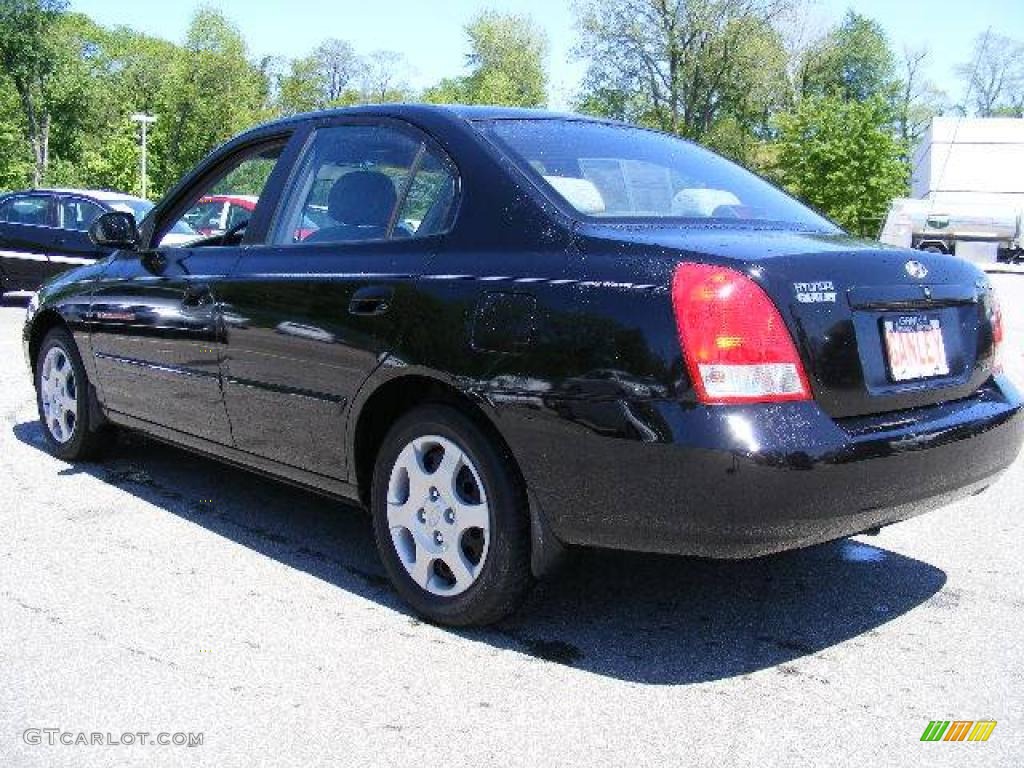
(712, 70)
(101, 77)
(322, 79)
(79, 96)
(15, 159)
(841, 157)
(212, 92)
(28, 59)
(853, 61)
(506, 62)
(300, 89)
(137, 79)
(110, 162)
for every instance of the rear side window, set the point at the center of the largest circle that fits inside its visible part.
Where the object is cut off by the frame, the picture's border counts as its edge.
(33, 210)
(621, 172)
(365, 182)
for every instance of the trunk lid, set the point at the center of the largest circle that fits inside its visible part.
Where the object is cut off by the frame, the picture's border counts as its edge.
(878, 328)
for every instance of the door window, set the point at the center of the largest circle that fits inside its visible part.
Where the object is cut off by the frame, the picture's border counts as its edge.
(360, 182)
(209, 210)
(33, 210)
(78, 214)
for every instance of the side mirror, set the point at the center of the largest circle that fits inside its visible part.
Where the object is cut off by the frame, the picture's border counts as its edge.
(115, 229)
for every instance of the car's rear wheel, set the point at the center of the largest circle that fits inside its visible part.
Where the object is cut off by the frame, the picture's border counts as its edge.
(62, 396)
(450, 519)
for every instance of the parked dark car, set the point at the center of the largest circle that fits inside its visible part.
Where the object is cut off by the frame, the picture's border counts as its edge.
(45, 231)
(515, 331)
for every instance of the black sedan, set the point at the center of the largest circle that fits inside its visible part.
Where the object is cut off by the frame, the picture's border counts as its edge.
(513, 332)
(45, 231)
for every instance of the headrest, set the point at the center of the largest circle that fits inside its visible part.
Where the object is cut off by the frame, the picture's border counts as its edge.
(362, 198)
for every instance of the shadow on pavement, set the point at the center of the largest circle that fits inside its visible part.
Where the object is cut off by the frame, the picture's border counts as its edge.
(643, 618)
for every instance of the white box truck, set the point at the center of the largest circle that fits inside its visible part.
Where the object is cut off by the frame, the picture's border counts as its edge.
(967, 191)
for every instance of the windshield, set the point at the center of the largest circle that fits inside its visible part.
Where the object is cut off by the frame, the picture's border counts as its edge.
(138, 208)
(181, 227)
(621, 172)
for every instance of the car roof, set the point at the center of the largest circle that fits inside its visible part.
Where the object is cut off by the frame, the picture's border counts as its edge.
(105, 195)
(453, 112)
(243, 200)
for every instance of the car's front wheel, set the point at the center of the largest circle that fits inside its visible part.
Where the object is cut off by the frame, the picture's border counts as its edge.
(62, 396)
(450, 519)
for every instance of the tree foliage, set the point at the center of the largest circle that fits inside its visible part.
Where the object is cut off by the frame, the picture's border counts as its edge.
(335, 76)
(382, 78)
(842, 158)
(713, 70)
(995, 77)
(506, 60)
(212, 92)
(917, 99)
(30, 61)
(853, 61)
(15, 159)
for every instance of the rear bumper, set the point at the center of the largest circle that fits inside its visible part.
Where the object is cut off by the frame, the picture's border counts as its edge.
(747, 481)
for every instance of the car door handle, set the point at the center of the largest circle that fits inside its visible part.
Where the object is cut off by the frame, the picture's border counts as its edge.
(371, 300)
(197, 296)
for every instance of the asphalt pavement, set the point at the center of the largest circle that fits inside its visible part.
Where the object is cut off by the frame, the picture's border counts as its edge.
(158, 593)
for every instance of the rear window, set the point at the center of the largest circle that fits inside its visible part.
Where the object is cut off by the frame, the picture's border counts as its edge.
(620, 172)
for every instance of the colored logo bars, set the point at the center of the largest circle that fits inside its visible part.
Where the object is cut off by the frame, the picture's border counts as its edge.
(958, 730)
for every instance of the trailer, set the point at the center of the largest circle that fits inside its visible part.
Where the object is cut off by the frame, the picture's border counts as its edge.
(967, 191)
(980, 231)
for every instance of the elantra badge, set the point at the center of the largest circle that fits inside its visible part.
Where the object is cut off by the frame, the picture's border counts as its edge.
(916, 269)
(816, 292)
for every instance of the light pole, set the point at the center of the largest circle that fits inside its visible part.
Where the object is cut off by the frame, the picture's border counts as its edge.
(144, 120)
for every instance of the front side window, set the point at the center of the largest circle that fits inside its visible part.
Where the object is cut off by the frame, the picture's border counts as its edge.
(78, 214)
(33, 210)
(619, 172)
(210, 211)
(360, 182)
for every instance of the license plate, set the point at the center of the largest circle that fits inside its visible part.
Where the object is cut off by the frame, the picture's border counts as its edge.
(915, 347)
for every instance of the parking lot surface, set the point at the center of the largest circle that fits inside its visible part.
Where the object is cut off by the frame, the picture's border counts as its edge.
(159, 592)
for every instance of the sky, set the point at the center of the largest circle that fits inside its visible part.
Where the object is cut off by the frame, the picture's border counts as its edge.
(430, 34)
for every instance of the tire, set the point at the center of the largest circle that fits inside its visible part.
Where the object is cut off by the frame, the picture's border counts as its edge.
(413, 462)
(66, 415)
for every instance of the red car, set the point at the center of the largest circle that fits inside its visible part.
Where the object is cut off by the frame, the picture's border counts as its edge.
(217, 214)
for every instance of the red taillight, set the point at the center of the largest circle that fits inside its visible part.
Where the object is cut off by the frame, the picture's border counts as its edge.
(997, 334)
(736, 345)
